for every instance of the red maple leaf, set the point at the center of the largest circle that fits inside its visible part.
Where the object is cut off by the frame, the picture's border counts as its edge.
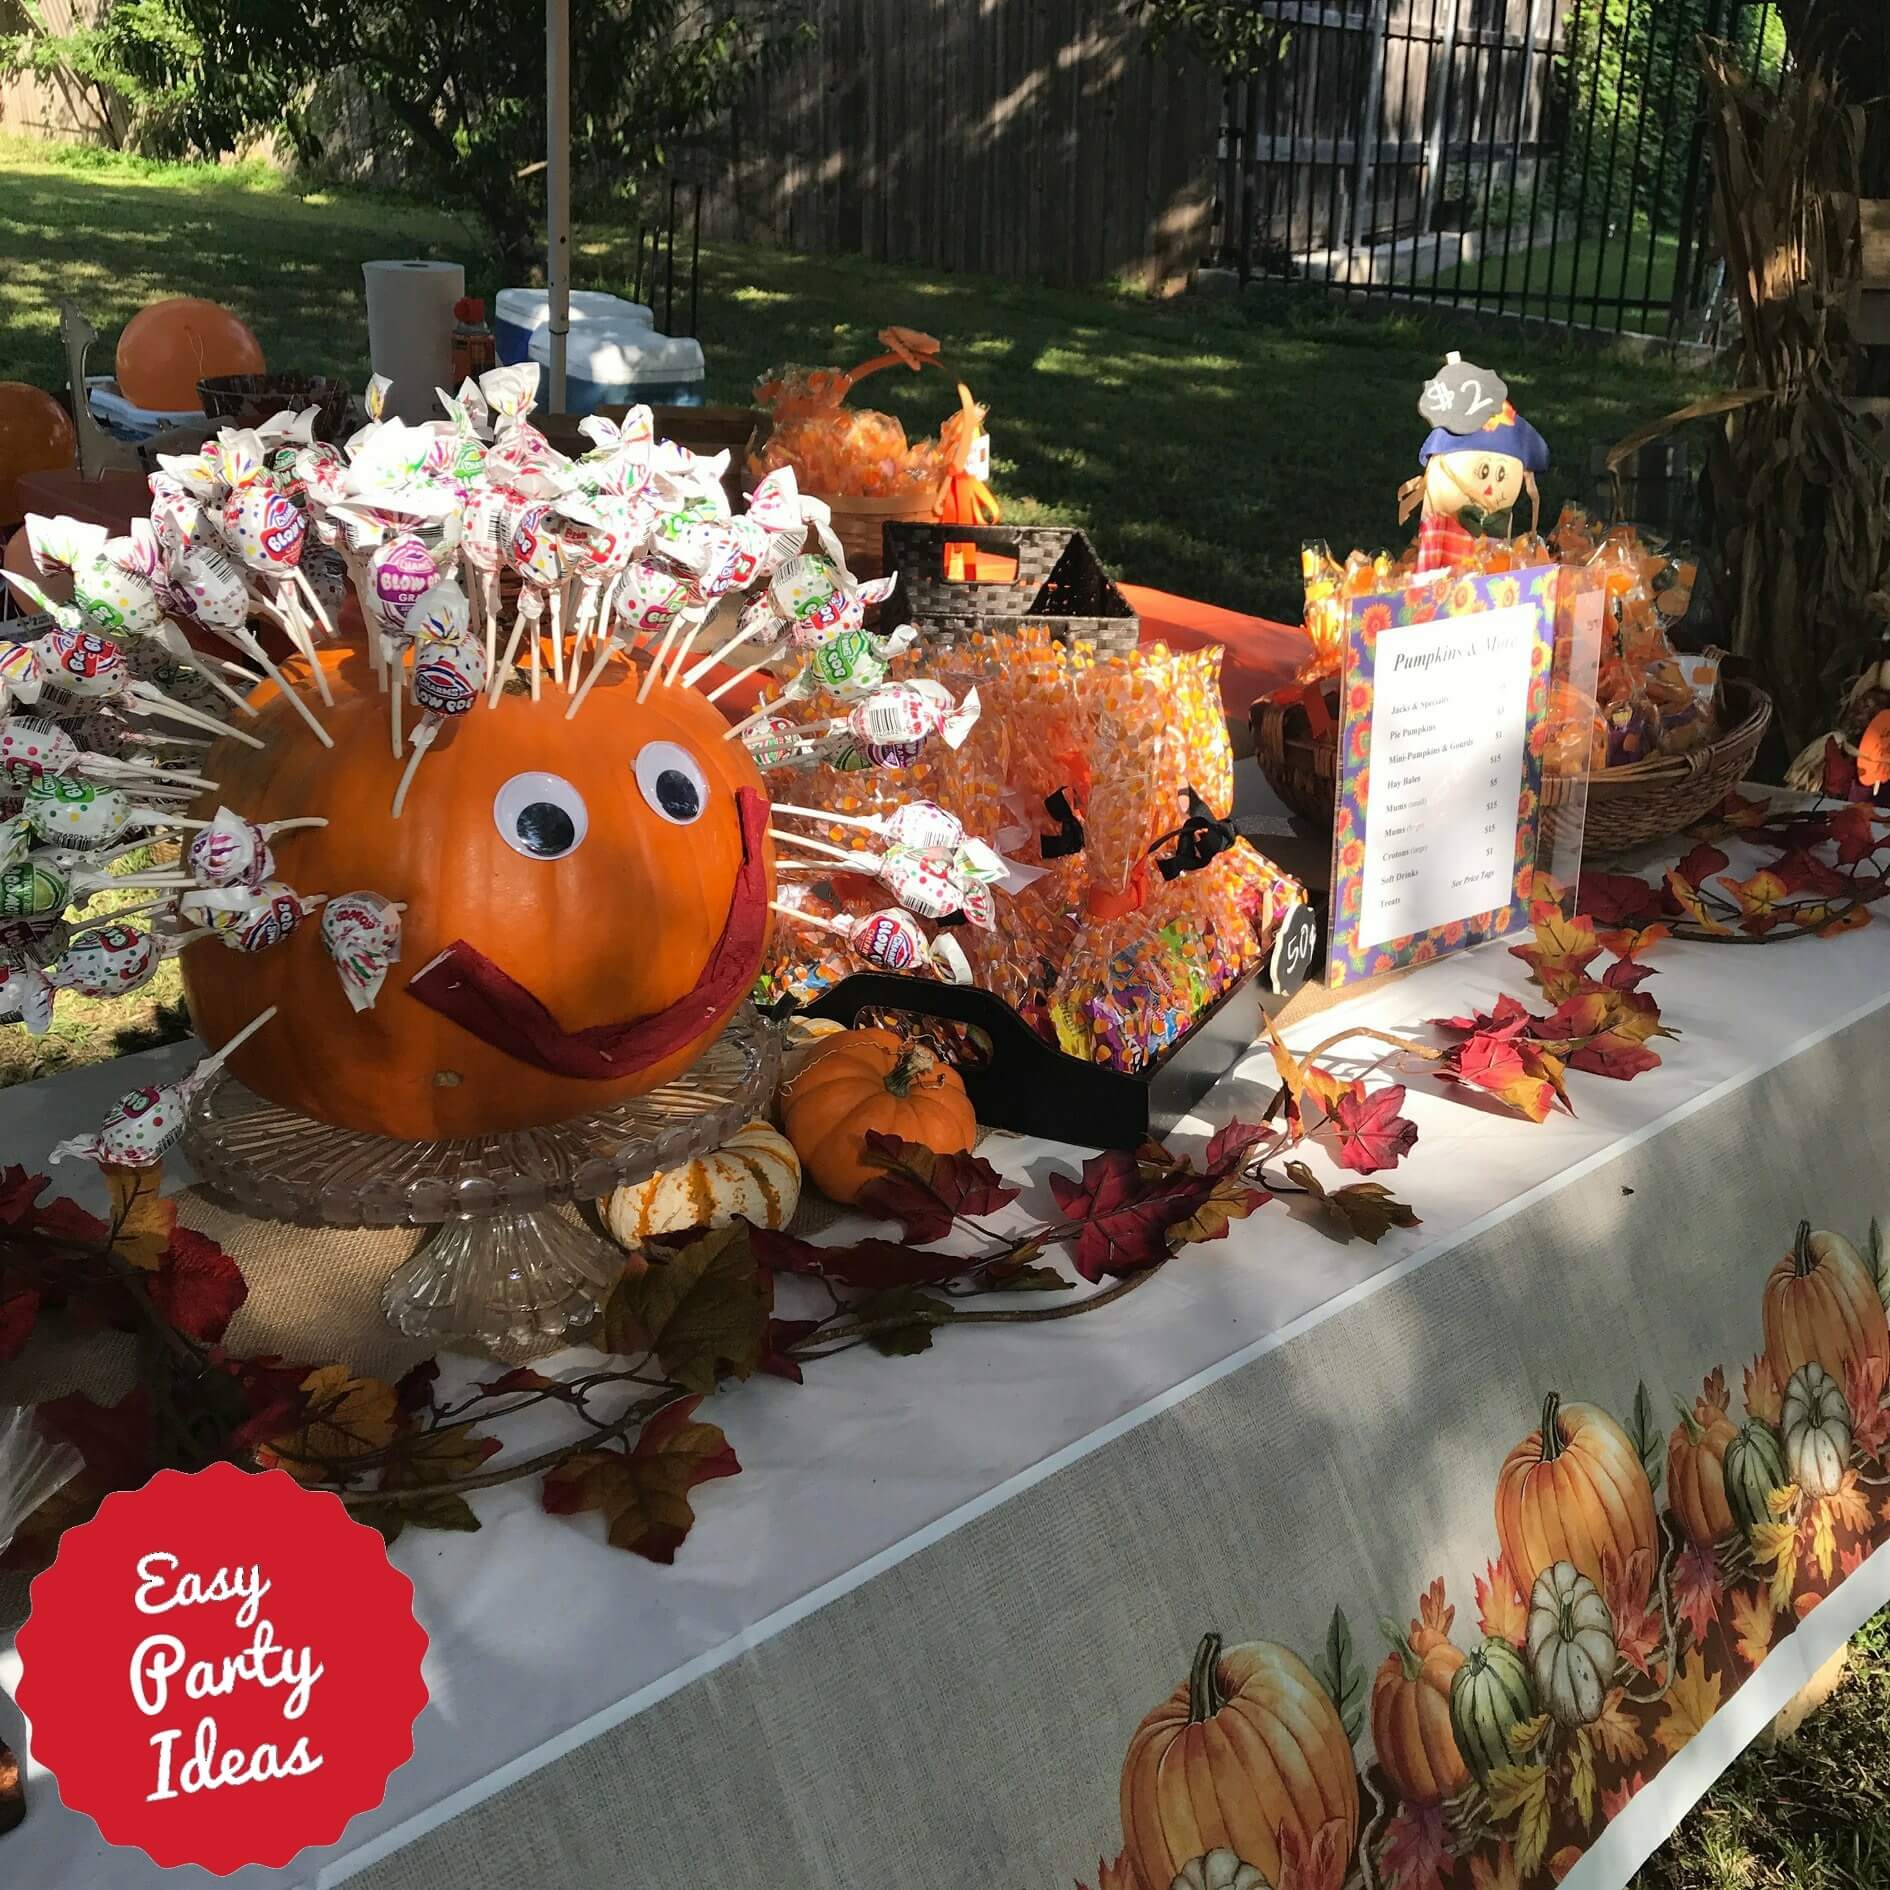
(413, 1390)
(1370, 1132)
(1627, 975)
(1313, 1863)
(61, 1219)
(925, 1192)
(1697, 1588)
(1229, 1148)
(1501, 1611)
(1803, 872)
(19, 1312)
(1614, 899)
(1864, 1375)
(1416, 1853)
(1636, 1626)
(1855, 833)
(1508, 1068)
(114, 1439)
(273, 1395)
(1123, 1212)
(1742, 814)
(1840, 780)
(197, 1287)
(1506, 1018)
(1851, 1560)
(1701, 864)
(18, 1192)
(776, 1337)
(869, 1264)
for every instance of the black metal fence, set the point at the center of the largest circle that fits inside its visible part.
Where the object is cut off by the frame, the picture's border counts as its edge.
(1529, 157)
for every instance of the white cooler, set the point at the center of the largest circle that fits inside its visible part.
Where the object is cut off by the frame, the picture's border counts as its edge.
(521, 313)
(610, 363)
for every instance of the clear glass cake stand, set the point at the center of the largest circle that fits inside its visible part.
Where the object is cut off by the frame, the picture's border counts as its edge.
(506, 1267)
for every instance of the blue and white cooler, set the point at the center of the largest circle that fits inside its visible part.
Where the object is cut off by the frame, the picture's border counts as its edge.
(521, 313)
(610, 363)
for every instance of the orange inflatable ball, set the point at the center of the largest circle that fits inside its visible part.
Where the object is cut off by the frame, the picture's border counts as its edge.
(35, 436)
(166, 349)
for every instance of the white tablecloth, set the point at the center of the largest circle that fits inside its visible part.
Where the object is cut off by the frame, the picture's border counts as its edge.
(542, 1636)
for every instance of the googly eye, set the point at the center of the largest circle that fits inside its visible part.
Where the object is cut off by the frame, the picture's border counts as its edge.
(671, 780)
(541, 816)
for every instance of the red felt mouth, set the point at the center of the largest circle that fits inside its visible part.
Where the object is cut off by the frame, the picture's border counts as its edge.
(462, 983)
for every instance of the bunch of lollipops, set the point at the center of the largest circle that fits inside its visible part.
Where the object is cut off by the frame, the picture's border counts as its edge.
(490, 570)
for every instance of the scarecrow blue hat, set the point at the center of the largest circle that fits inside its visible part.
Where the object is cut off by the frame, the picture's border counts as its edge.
(1504, 432)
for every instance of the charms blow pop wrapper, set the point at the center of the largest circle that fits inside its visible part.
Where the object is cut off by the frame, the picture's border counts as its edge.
(906, 713)
(246, 920)
(146, 1124)
(109, 961)
(449, 671)
(362, 933)
(891, 940)
(232, 851)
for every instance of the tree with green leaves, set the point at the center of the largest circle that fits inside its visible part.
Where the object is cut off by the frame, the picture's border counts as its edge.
(460, 88)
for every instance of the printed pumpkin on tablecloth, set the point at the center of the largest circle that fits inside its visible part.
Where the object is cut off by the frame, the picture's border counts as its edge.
(1822, 1307)
(586, 905)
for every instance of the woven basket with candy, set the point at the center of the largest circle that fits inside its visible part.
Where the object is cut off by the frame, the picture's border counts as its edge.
(1065, 834)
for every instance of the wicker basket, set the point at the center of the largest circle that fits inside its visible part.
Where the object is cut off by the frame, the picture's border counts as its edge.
(1300, 767)
(1657, 798)
(1060, 584)
(248, 399)
(1627, 807)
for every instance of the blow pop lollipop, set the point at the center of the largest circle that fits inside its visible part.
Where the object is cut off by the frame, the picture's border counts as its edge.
(265, 531)
(31, 746)
(934, 882)
(79, 666)
(651, 595)
(892, 940)
(449, 671)
(362, 933)
(537, 559)
(110, 960)
(401, 571)
(80, 816)
(913, 824)
(26, 997)
(245, 919)
(146, 1124)
(36, 889)
(232, 851)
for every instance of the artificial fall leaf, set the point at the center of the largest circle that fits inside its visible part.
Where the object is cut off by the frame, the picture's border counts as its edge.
(1433, 1611)
(1627, 975)
(1371, 1135)
(413, 1389)
(19, 1312)
(1761, 1391)
(776, 1358)
(519, 1378)
(1327, 1090)
(1854, 833)
(343, 1417)
(1416, 1852)
(1315, 1863)
(925, 1192)
(197, 1286)
(701, 1311)
(1228, 1149)
(1691, 1702)
(1565, 945)
(643, 1492)
(1701, 864)
(114, 1439)
(1501, 1611)
(1775, 1546)
(270, 1389)
(1615, 1798)
(1581, 1777)
(1741, 813)
(1228, 1200)
(141, 1220)
(1500, 1872)
(1501, 1067)
(1823, 1540)
(904, 1318)
(1851, 919)
(1522, 1792)
(1692, 904)
(427, 1460)
(1508, 1017)
(1614, 1733)
(1848, 1506)
(1292, 1076)
(1122, 1216)
(1629, 942)
(1751, 1624)
(1367, 1208)
(1618, 899)
(1697, 1588)
(1758, 898)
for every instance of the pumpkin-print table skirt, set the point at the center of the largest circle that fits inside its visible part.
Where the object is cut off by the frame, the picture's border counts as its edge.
(1459, 1563)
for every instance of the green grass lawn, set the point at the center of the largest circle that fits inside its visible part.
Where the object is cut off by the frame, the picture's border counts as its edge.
(1199, 441)
(1541, 282)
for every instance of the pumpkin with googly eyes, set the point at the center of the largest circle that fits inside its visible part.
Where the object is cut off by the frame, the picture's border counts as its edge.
(586, 903)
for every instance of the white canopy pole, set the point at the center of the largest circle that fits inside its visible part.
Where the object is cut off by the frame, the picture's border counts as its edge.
(558, 186)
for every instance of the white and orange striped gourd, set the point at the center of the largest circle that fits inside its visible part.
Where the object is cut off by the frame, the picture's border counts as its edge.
(754, 1176)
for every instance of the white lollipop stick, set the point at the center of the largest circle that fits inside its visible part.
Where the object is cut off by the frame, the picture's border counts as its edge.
(124, 912)
(300, 577)
(422, 741)
(489, 609)
(741, 675)
(210, 1065)
(257, 654)
(762, 711)
(555, 598)
(721, 654)
(682, 653)
(178, 940)
(172, 641)
(397, 687)
(288, 613)
(816, 846)
(270, 829)
(167, 740)
(144, 699)
(605, 651)
(505, 665)
(656, 662)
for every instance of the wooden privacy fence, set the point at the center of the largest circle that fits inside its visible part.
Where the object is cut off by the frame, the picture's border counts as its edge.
(1019, 137)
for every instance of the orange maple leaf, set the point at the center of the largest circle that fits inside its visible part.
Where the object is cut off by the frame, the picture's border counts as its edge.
(1762, 1395)
(1637, 1628)
(1498, 1873)
(1713, 1393)
(1691, 1702)
(1501, 1611)
(1614, 1732)
(1628, 942)
(1692, 903)
(1564, 1861)
(1432, 1611)
(1752, 1624)
(1614, 1798)
(1758, 897)
(1318, 1864)
(1864, 1377)
(1848, 1505)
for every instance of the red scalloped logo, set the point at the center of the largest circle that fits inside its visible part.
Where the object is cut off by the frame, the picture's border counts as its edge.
(222, 1668)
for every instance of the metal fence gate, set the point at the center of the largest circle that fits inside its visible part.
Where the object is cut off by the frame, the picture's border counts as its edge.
(1531, 157)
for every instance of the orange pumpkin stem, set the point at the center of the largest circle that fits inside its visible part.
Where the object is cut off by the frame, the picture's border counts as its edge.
(1205, 1698)
(1804, 1261)
(1553, 1443)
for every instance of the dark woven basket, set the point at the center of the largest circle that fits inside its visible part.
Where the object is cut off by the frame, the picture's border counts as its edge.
(1060, 583)
(245, 399)
(1300, 767)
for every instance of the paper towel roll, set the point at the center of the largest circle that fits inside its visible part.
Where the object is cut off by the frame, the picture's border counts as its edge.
(410, 331)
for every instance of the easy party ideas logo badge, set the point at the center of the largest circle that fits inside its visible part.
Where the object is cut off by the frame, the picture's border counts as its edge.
(221, 1668)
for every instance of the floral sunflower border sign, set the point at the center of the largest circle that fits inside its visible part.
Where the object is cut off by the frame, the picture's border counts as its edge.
(1449, 682)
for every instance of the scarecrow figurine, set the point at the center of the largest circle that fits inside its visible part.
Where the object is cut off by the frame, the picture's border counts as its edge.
(1480, 455)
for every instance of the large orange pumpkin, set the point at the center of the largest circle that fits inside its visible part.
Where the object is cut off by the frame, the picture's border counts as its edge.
(1411, 1716)
(1572, 1490)
(1248, 1743)
(587, 902)
(861, 1080)
(1696, 1473)
(1822, 1308)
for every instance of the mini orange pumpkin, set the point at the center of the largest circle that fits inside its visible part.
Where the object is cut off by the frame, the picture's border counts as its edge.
(1572, 1490)
(861, 1080)
(1696, 1473)
(579, 924)
(1411, 1727)
(1247, 1745)
(1822, 1308)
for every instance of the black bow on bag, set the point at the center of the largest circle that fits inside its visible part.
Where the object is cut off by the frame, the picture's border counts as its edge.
(1199, 839)
(1068, 837)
